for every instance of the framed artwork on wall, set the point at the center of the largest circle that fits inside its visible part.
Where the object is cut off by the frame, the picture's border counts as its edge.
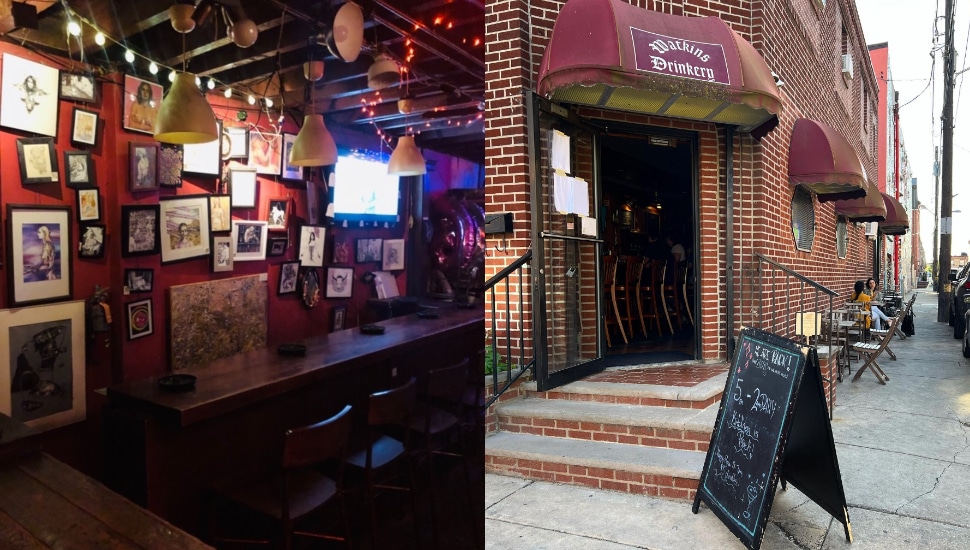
(169, 165)
(289, 272)
(88, 205)
(308, 287)
(139, 280)
(290, 172)
(277, 246)
(78, 87)
(219, 213)
(238, 142)
(139, 230)
(80, 169)
(221, 253)
(277, 212)
(341, 250)
(84, 127)
(368, 250)
(204, 159)
(311, 245)
(141, 101)
(142, 166)
(140, 319)
(393, 255)
(44, 387)
(28, 96)
(339, 315)
(265, 152)
(38, 162)
(91, 244)
(38, 254)
(340, 282)
(242, 186)
(184, 222)
(248, 240)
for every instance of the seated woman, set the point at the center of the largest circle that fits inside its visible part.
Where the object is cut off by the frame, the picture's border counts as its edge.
(876, 314)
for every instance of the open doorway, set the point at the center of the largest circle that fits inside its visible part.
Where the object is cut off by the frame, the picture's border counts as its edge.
(650, 229)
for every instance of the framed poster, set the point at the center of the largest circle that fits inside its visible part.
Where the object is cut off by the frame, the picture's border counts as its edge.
(38, 162)
(219, 216)
(78, 87)
(290, 172)
(203, 158)
(221, 253)
(80, 169)
(38, 254)
(91, 244)
(340, 282)
(242, 186)
(339, 315)
(248, 240)
(88, 204)
(84, 127)
(28, 96)
(369, 250)
(288, 277)
(341, 250)
(311, 245)
(140, 319)
(141, 101)
(238, 142)
(265, 152)
(277, 212)
(393, 255)
(43, 350)
(169, 165)
(142, 166)
(139, 230)
(184, 222)
(140, 280)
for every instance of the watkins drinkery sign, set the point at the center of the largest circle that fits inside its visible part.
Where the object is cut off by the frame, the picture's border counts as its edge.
(657, 53)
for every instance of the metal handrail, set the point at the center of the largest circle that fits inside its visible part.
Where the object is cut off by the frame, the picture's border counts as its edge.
(504, 276)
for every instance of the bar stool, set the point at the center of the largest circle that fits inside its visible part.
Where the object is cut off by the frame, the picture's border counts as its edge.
(625, 291)
(669, 290)
(687, 285)
(609, 298)
(647, 297)
(298, 489)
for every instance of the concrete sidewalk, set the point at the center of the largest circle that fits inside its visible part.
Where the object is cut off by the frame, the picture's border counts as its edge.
(903, 448)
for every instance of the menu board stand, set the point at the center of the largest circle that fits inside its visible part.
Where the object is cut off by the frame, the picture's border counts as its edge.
(771, 424)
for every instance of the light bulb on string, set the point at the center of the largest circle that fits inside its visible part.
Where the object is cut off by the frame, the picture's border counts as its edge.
(99, 38)
(211, 84)
(268, 102)
(129, 56)
(171, 76)
(228, 93)
(251, 99)
(153, 68)
(73, 28)
(198, 82)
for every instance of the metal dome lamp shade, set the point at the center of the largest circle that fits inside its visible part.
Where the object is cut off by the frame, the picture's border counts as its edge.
(406, 160)
(347, 33)
(383, 73)
(185, 116)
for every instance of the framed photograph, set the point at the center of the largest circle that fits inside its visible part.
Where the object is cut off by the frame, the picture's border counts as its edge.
(238, 142)
(290, 172)
(339, 314)
(368, 250)
(393, 255)
(78, 87)
(248, 240)
(139, 230)
(28, 96)
(184, 222)
(277, 246)
(142, 99)
(311, 245)
(142, 166)
(84, 127)
(140, 321)
(277, 212)
(308, 287)
(38, 162)
(204, 159)
(289, 272)
(140, 280)
(169, 165)
(221, 253)
(43, 349)
(341, 250)
(265, 152)
(91, 244)
(219, 213)
(38, 254)
(80, 169)
(340, 282)
(88, 205)
(242, 186)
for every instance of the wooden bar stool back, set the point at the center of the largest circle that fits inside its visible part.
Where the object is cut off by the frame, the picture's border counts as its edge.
(612, 315)
(626, 292)
(669, 297)
(647, 297)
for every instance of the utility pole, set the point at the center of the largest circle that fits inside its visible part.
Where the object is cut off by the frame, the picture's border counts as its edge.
(935, 267)
(946, 183)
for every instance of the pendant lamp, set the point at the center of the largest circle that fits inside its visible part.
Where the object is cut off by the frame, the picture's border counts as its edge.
(406, 160)
(185, 116)
(313, 146)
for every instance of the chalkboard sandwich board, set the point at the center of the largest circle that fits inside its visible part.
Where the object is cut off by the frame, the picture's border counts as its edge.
(768, 402)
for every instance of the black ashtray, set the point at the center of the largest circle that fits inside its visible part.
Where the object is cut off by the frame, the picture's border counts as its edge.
(371, 329)
(298, 350)
(427, 314)
(177, 382)
(466, 305)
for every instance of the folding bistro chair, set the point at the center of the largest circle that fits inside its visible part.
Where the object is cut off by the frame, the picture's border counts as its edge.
(871, 351)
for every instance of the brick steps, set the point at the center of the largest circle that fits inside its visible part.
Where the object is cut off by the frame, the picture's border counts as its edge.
(699, 396)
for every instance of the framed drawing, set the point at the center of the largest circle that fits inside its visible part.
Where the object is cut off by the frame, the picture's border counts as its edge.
(248, 240)
(88, 205)
(184, 222)
(393, 255)
(368, 250)
(28, 96)
(339, 314)
(169, 165)
(308, 287)
(43, 348)
(84, 127)
(78, 87)
(277, 212)
(203, 158)
(340, 282)
(80, 169)
(38, 163)
(290, 172)
(142, 166)
(219, 216)
(139, 230)
(242, 185)
(140, 280)
(140, 320)
(288, 276)
(39, 254)
(91, 244)
(264, 152)
(238, 142)
(277, 246)
(341, 250)
(142, 99)
(311, 245)
(221, 253)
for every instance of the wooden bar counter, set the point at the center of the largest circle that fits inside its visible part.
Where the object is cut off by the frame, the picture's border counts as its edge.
(164, 448)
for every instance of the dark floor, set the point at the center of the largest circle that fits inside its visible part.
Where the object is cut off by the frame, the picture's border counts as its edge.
(680, 342)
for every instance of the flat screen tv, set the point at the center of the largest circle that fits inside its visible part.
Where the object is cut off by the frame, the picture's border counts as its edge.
(363, 191)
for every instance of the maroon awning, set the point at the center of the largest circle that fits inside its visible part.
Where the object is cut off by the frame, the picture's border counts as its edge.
(896, 222)
(611, 54)
(822, 160)
(870, 208)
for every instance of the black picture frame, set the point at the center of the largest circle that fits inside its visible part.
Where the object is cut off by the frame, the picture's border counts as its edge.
(88, 204)
(39, 256)
(276, 246)
(91, 241)
(81, 87)
(37, 165)
(139, 280)
(84, 127)
(289, 278)
(141, 320)
(79, 170)
(140, 234)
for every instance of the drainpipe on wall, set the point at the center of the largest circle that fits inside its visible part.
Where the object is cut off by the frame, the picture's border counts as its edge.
(896, 179)
(729, 236)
